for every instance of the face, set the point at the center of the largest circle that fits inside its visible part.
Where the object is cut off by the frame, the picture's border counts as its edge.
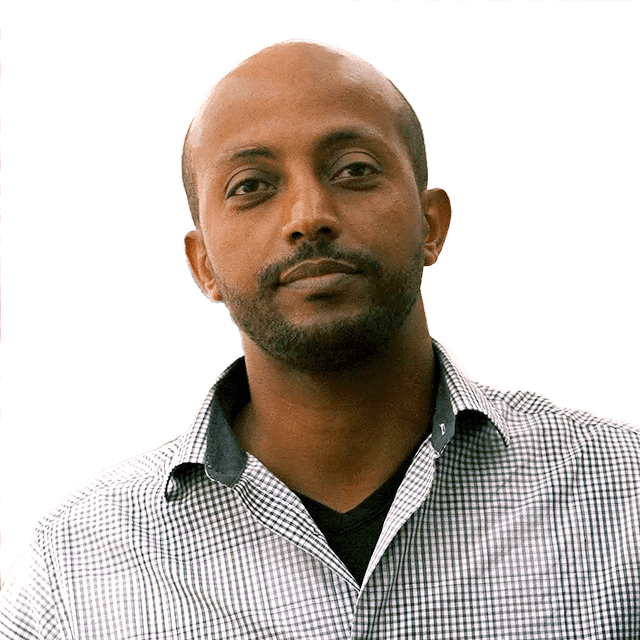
(312, 229)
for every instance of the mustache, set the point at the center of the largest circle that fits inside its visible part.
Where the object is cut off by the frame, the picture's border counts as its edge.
(270, 275)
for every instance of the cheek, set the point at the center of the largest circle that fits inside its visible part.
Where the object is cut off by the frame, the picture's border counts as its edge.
(228, 258)
(397, 222)
(226, 238)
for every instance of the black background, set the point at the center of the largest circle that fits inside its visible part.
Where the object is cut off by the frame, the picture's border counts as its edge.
(112, 346)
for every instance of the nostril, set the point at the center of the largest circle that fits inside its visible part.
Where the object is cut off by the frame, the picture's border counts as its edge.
(297, 232)
(322, 231)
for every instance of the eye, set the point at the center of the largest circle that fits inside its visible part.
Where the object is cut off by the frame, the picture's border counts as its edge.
(249, 186)
(355, 170)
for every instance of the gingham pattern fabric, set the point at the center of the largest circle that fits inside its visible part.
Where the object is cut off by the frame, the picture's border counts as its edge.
(526, 525)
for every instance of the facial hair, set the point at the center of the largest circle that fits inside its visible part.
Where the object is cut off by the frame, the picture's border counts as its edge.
(344, 343)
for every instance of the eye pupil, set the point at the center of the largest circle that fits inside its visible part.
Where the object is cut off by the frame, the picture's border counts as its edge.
(358, 169)
(249, 185)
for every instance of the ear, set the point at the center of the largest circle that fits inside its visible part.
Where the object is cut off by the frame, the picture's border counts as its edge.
(436, 208)
(200, 266)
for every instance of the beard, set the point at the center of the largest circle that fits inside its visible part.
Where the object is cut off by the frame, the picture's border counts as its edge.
(343, 343)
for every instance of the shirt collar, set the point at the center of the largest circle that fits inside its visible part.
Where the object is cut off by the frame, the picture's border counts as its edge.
(467, 395)
(210, 440)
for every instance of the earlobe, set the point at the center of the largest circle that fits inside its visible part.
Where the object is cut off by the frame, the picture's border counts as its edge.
(200, 266)
(436, 208)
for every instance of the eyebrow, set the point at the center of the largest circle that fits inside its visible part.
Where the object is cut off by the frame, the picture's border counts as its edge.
(332, 139)
(343, 135)
(336, 138)
(253, 152)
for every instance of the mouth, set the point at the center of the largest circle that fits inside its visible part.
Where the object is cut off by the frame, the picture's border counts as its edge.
(316, 268)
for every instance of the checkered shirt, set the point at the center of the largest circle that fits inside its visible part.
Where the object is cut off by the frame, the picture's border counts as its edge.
(524, 525)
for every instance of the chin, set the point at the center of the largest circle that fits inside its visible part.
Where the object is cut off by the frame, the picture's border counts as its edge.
(340, 345)
(337, 337)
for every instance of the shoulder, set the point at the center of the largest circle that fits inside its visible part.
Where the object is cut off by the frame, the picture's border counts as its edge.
(92, 523)
(108, 498)
(560, 433)
(524, 407)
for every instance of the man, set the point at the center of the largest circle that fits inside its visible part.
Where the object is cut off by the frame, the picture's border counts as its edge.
(343, 480)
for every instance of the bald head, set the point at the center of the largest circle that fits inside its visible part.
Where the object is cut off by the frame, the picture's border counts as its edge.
(291, 71)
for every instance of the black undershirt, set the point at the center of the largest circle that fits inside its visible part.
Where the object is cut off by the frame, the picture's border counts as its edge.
(353, 535)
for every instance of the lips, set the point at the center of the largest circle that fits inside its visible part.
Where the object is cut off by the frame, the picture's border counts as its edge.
(315, 268)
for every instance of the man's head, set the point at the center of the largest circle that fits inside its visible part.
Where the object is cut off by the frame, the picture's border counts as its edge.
(308, 175)
(406, 119)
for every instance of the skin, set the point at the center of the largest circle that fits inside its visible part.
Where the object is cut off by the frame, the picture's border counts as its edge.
(275, 171)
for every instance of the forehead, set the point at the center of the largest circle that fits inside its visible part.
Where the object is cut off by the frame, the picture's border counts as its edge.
(293, 99)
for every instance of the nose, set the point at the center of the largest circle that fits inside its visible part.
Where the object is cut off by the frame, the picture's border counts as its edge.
(310, 211)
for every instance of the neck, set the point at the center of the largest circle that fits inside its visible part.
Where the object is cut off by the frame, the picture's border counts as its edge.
(337, 437)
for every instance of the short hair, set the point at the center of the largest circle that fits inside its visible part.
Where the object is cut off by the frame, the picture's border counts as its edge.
(410, 129)
(189, 179)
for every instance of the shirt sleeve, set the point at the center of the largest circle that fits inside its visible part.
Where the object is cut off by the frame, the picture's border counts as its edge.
(27, 600)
